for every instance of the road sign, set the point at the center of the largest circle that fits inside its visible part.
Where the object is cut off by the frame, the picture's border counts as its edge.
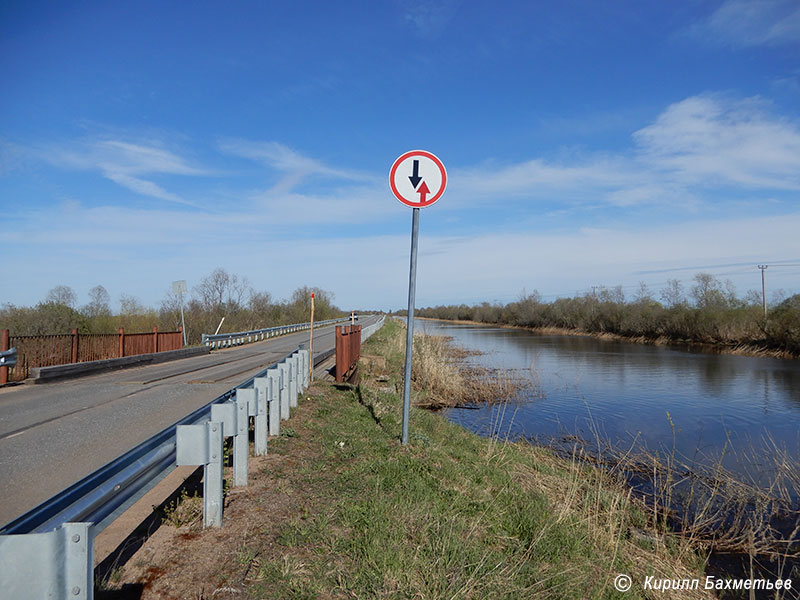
(418, 178)
(179, 287)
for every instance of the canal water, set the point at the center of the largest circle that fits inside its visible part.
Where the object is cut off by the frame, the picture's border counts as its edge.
(703, 407)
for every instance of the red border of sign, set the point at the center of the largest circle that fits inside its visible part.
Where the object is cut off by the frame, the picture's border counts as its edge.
(432, 199)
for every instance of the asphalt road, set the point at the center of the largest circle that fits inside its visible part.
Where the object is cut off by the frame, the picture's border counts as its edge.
(52, 435)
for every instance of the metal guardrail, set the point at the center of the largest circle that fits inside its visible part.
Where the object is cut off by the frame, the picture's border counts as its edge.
(348, 351)
(48, 551)
(8, 358)
(224, 340)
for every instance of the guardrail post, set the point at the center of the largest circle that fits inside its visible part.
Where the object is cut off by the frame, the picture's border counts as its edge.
(306, 369)
(260, 385)
(303, 353)
(292, 361)
(284, 390)
(273, 390)
(241, 440)
(56, 564)
(301, 380)
(202, 445)
(234, 419)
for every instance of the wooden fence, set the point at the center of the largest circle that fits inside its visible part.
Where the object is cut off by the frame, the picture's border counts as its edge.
(49, 350)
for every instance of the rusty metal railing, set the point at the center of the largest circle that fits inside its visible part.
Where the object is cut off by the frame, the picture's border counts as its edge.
(348, 351)
(50, 350)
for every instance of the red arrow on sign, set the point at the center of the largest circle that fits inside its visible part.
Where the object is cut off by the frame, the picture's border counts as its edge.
(423, 191)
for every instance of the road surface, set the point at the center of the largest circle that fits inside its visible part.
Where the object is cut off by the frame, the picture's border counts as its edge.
(52, 435)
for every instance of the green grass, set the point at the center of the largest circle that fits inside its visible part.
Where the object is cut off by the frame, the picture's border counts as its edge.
(451, 515)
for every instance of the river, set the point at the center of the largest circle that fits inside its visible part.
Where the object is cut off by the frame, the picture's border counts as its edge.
(696, 410)
(704, 407)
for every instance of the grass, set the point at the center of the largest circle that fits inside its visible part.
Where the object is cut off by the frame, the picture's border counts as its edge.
(451, 515)
(184, 510)
(340, 509)
(440, 377)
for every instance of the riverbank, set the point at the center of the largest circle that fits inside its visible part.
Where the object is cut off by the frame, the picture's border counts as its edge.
(719, 348)
(339, 509)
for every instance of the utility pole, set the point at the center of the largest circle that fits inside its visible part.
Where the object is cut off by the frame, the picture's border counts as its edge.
(763, 289)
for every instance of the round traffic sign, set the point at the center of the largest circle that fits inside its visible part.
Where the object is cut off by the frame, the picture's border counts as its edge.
(418, 178)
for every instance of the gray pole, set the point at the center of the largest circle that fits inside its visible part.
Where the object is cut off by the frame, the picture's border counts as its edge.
(763, 289)
(412, 290)
(183, 323)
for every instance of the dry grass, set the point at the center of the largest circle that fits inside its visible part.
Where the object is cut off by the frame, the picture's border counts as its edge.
(708, 506)
(602, 507)
(439, 372)
(739, 348)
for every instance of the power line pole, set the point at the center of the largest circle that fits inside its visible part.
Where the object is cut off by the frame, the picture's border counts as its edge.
(763, 289)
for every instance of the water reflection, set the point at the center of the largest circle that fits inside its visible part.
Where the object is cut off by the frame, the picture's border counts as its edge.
(719, 405)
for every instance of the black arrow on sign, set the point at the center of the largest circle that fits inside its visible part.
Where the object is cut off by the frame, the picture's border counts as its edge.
(415, 178)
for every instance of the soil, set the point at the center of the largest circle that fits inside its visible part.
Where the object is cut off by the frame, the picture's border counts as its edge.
(195, 563)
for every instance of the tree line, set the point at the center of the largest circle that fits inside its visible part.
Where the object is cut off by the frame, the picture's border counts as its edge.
(219, 294)
(710, 312)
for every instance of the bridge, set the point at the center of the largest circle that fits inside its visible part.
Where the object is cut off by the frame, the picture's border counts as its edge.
(52, 435)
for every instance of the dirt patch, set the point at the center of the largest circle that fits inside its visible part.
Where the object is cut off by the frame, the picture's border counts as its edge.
(192, 562)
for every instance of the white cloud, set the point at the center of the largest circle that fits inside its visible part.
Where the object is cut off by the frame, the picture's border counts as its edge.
(753, 23)
(125, 163)
(296, 166)
(703, 143)
(694, 152)
(86, 246)
(138, 159)
(144, 187)
(527, 176)
(715, 140)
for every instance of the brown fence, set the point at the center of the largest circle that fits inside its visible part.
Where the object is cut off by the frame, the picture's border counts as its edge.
(49, 350)
(348, 351)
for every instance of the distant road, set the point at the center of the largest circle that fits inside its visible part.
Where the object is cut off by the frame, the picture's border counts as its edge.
(52, 435)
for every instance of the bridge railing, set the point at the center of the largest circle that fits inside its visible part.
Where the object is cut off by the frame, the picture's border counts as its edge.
(48, 551)
(223, 340)
(61, 349)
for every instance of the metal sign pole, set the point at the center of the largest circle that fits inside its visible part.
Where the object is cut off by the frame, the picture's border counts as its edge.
(412, 289)
(183, 322)
(311, 343)
(417, 179)
(179, 289)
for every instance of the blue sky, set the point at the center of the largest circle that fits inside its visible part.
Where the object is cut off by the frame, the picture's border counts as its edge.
(587, 143)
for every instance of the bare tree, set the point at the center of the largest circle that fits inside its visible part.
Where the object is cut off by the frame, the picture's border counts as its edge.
(62, 294)
(299, 307)
(170, 309)
(643, 293)
(672, 295)
(222, 292)
(709, 292)
(99, 302)
(260, 302)
(130, 306)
